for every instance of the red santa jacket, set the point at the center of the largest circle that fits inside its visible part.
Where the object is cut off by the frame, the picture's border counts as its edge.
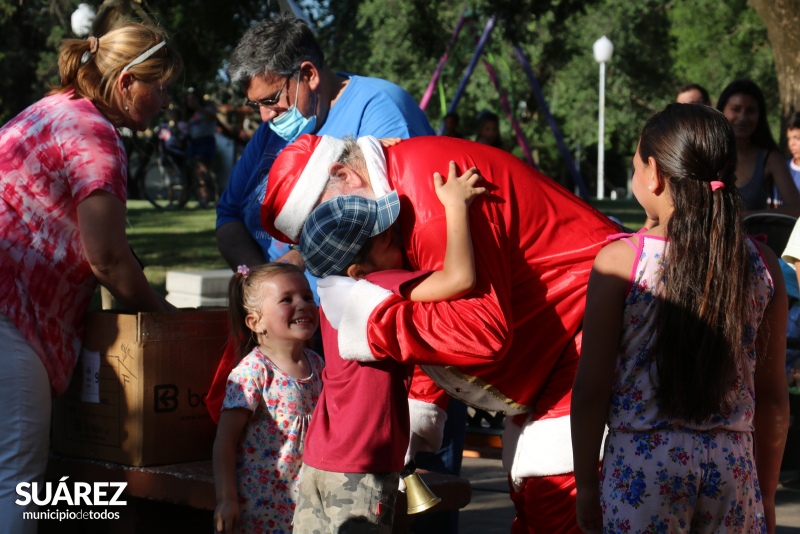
(512, 343)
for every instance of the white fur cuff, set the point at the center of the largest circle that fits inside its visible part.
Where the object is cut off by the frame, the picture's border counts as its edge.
(363, 299)
(427, 421)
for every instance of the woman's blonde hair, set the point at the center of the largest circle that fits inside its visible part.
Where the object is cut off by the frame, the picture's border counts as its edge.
(90, 67)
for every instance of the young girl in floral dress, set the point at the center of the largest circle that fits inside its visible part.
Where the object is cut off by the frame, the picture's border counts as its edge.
(683, 350)
(269, 399)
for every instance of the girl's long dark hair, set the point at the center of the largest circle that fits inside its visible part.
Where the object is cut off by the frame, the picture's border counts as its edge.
(244, 296)
(702, 318)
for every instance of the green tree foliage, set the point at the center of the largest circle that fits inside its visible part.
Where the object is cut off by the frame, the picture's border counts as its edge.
(205, 32)
(29, 33)
(715, 53)
(658, 46)
(638, 80)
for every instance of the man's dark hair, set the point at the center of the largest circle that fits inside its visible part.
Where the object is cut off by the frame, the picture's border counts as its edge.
(274, 47)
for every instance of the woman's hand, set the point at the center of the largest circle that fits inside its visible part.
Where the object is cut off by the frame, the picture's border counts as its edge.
(226, 516)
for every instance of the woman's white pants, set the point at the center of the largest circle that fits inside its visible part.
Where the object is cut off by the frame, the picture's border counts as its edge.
(25, 407)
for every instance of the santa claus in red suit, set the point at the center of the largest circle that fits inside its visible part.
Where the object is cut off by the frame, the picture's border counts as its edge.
(512, 344)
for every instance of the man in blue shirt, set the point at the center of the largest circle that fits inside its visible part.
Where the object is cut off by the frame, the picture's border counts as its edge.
(283, 72)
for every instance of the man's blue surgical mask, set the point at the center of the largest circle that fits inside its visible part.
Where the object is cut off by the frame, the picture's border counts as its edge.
(291, 124)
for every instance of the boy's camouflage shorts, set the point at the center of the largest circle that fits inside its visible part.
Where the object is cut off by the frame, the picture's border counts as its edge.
(346, 503)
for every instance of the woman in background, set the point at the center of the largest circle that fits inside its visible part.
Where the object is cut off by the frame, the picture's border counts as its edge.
(760, 170)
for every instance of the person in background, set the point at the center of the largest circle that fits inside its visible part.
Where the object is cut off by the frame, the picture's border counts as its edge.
(761, 173)
(451, 124)
(793, 139)
(693, 93)
(688, 377)
(201, 120)
(63, 181)
(269, 400)
(791, 257)
(488, 129)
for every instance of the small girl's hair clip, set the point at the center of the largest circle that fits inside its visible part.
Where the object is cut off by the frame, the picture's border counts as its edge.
(244, 270)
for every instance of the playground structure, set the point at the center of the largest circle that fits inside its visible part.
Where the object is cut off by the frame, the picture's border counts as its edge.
(535, 87)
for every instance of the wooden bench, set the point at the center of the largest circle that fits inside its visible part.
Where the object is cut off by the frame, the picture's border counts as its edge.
(180, 497)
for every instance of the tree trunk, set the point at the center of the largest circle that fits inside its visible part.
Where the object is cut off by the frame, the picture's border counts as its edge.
(782, 19)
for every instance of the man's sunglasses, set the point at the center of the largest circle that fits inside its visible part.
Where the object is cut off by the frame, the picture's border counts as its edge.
(267, 102)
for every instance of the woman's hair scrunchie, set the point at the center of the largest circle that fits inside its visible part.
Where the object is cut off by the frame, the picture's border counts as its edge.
(94, 44)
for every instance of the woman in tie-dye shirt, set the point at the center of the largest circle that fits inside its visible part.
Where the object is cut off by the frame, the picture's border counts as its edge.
(63, 182)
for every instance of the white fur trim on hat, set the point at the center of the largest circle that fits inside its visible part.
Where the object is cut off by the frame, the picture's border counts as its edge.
(309, 187)
(363, 299)
(538, 449)
(375, 160)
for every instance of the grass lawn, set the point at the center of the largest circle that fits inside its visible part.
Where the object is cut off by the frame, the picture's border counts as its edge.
(183, 240)
(180, 240)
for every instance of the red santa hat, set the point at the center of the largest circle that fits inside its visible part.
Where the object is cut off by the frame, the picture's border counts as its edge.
(295, 184)
(299, 176)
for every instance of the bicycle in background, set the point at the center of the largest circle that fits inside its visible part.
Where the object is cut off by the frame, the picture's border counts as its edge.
(165, 177)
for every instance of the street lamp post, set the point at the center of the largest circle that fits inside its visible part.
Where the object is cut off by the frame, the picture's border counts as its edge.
(603, 49)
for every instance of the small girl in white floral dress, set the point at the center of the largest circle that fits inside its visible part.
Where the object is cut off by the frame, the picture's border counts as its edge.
(683, 350)
(269, 399)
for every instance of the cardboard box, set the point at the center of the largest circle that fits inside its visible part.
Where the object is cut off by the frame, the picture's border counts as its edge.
(150, 373)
